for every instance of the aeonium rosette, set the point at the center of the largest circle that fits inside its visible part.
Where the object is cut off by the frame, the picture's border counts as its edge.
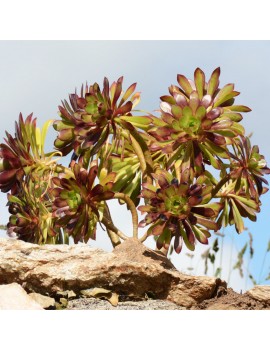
(23, 154)
(248, 168)
(79, 203)
(31, 217)
(88, 120)
(197, 120)
(176, 208)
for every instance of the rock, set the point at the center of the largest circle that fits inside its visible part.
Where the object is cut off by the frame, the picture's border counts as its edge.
(62, 304)
(260, 293)
(68, 294)
(131, 269)
(221, 306)
(44, 301)
(100, 293)
(14, 297)
(95, 292)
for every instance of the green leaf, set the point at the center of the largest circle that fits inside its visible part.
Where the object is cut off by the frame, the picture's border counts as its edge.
(108, 178)
(177, 111)
(128, 93)
(177, 154)
(199, 79)
(239, 223)
(200, 236)
(141, 148)
(194, 101)
(184, 83)
(245, 211)
(183, 233)
(164, 239)
(169, 99)
(201, 112)
(15, 199)
(142, 122)
(216, 150)
(207, 223)
(213, 82)
(215, 206)
(158, 121)
(238, 128)
(215, 163)
(235, 117)
(224, 94)
(237, 108)
(91, 108)
(248, 202)
(44, 131)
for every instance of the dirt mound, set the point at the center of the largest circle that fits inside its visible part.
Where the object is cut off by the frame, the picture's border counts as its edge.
(230, 300)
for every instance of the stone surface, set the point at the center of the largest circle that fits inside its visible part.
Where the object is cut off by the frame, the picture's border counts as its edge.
(14, 297)
(69, 294)
(131, 269)
(44, 301)
(260, 293)
(97, 304)
(221, 306)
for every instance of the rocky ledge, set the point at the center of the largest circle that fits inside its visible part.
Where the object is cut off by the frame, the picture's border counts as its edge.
(130, 277)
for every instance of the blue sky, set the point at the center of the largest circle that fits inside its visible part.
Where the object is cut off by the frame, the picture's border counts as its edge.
(36, 75)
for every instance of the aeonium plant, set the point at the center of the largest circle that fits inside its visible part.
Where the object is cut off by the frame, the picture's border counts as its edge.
(161, 165)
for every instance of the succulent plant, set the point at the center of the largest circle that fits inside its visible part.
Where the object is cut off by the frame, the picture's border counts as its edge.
(197, 120)
(236, 207)
(78, 203)
(31, 215)
(164, 161)
(248, 168)
(24, 153)
(176, 208)
(90, 118)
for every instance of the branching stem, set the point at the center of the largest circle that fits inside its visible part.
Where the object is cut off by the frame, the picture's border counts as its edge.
(112, 235)
(109, 224)
(132, 209)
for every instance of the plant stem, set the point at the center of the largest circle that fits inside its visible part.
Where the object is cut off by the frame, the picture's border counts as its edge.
(109, 224)
(132, 209)
(142, 152)
(139, 153)
(144, 237)
(112, 235)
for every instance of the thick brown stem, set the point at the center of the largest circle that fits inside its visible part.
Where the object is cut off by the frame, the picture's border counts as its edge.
(132, 209)
(112, 235)
(109, 225)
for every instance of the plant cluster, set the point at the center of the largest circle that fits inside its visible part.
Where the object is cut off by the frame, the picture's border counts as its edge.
(161, 165)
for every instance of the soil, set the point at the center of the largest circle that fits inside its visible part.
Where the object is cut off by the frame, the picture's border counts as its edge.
(226, 299)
